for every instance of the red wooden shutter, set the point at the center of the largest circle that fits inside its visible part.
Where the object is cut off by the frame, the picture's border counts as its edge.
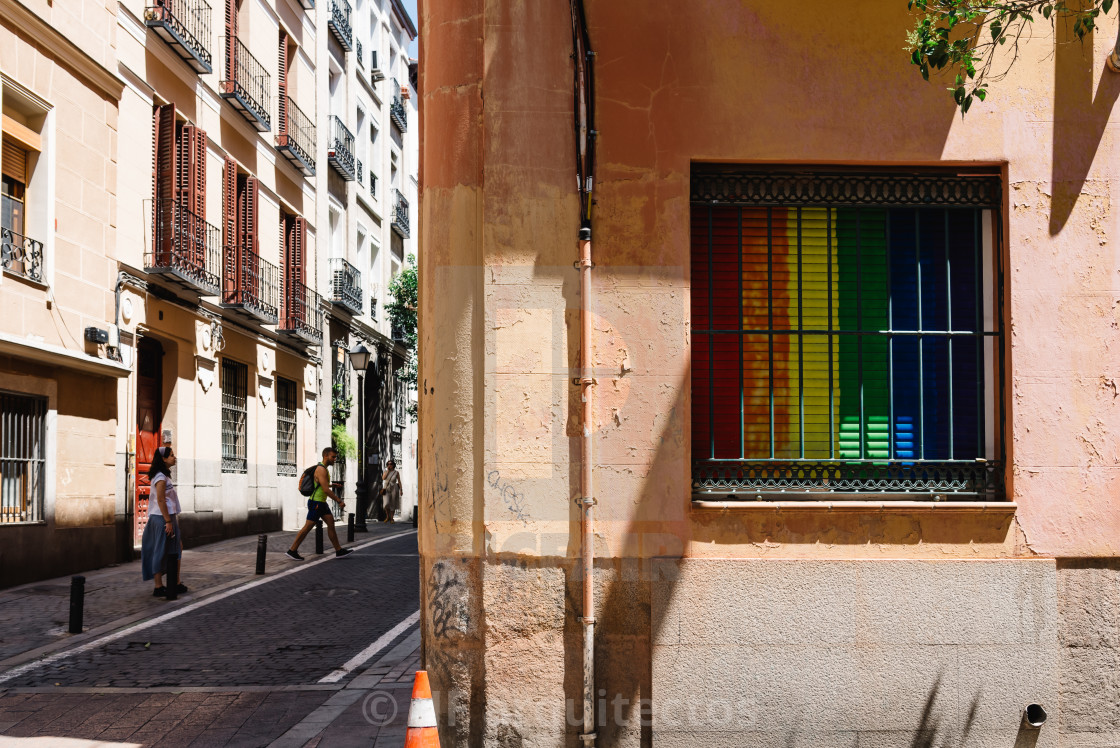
(249, 267)
(282, 81)
(231, 40)
(230, 238)
(286, 307)
(163, 182)
(299, 249)
(191, 189)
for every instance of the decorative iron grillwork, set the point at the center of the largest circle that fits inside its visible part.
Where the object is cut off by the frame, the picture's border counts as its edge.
(185, 26)
(373, 308)
(397, 112)
(735, 479)
(186, 246)
(340, 154)
(400, 214)
(339, 22)
(22, 457)
(346, 285)
(303, 315)
(372, 184)
(298, 139)
(358, 47)
(880, 189)
(361, 179)
(247, 86)
(21, 255)
(235, 415)
(285, 427)
(255, 287)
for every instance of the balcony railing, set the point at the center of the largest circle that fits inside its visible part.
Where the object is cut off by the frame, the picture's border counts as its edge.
(185, 26)
(302, 314)
(297, 138)
(247, 85)
(358, 48)
(373, 308)
(397, 112)
(339, 22)
(186, 247)
(21, 255)
(375, 73)
(252, 284)
(346, 285)
(397, 333)
(361, 179)
(340, 150)
(400, 214)
(373, 184)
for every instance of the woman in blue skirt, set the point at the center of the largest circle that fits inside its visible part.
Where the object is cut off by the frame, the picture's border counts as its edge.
(161, 536)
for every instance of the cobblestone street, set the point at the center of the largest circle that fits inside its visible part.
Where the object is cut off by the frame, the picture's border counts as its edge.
(319, 652)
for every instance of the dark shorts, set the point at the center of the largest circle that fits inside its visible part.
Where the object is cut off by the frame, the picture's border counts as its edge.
(316, 510)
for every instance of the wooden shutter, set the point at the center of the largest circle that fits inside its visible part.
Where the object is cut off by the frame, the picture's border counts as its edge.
(299, 249)
(231, 40)
(249, 250)
(14, 161)
(282, 81)
(190, 187)
(164, 182)
(230, 239)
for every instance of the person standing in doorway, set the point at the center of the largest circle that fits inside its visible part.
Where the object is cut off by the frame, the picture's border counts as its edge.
(161, 535)
(317, 508)
(391, 490)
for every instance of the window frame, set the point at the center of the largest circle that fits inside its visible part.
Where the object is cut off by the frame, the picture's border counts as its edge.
(37, 467)
(799, 478)
(235, 402)
(287, 427)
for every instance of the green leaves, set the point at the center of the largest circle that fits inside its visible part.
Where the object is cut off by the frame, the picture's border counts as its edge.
(404, 292)
(961, 37)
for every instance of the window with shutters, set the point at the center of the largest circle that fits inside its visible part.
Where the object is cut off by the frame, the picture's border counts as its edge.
(285, 427)
(295, 130)
(246, 83)
(846, 335)
(23, 198)
(235, 416)
(301, 315)
(249, 282)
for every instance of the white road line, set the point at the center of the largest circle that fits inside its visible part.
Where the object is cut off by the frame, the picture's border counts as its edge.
(18, 671)
(359, 659)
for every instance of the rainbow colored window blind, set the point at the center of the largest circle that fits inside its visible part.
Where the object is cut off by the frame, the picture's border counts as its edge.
(843, 335)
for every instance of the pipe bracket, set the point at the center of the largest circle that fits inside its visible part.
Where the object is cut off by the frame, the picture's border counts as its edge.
(586, 500)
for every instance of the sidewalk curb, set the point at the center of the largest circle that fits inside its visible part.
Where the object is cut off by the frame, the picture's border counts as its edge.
(121, 625)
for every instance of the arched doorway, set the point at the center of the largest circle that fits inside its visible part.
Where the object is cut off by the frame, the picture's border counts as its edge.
(149, 417)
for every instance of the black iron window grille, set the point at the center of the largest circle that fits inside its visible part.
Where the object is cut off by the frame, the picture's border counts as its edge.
(299, 138)
(247, 85)
(22, 457)
(235, 416)
(186, 246)
(185, 26)
(358, 47)
(397, 112)
(361, 178)
(339, 22)
(373, 308)
(846, 336)
(340, 152)
(346, 285)
(400, 214)
(303, 315)
(21, 255)
(372, 184)
(285, 427)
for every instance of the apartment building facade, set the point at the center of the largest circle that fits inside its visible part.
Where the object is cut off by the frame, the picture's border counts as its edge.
(59, 372)
(853, 460)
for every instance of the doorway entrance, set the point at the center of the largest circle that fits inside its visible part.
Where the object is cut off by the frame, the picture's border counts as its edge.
(149, 416)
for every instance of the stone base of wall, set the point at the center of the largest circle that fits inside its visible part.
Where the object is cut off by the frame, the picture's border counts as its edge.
(29, 553)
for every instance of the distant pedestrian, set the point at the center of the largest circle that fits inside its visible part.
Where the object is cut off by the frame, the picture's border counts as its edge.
(317, 508)
(391, 490)
(161, 535)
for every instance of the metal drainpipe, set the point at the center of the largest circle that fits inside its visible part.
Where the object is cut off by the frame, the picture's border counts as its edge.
(587, 501)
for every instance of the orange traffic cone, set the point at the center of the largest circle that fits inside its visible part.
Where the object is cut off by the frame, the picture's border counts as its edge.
(422, 731)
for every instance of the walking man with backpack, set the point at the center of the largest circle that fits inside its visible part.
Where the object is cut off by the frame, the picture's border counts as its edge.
(315, 483)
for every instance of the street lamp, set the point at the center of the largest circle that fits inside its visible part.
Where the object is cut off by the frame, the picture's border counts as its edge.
(359, 359)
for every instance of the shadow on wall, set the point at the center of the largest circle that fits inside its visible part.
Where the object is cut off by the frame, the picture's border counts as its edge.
(1080, 117)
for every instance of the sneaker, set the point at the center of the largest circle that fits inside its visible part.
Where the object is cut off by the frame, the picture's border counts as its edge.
(343, 552)
(159, 592)
(181, 588)
(294, 555)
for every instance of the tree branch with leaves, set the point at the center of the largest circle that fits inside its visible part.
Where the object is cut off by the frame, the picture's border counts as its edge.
(963, 37)
(402, 316)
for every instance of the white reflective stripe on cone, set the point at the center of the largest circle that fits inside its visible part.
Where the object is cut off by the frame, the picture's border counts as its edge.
(422, 713)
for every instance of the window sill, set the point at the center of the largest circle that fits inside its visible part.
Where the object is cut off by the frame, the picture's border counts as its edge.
(880, 505)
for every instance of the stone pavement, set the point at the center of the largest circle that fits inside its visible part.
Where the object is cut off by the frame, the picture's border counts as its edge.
(283, 659)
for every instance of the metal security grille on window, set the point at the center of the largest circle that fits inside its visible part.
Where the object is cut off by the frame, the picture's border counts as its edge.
(234, 416)
(22, 457)
(845, 347)
(285, 427)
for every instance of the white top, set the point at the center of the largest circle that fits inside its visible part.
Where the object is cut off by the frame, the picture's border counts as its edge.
(169, 494)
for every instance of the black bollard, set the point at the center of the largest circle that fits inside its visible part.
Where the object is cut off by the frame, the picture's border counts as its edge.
(77, 603)
(262, 548)
(172, 581)
(350, 528)
(319, 537)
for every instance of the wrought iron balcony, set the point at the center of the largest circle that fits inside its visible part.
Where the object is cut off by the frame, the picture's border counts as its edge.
(397, 333)
(400, 214)
(186, 248)
(372, 184)
(21, 255)
(301, 315)
(397, 112)
(340, 150)
(339, 23)
(361, 179)
(251, 284)
(247, 85)
(346, 285)
(373, 308)
(358, 48)
(297, 137)
(185, 26)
